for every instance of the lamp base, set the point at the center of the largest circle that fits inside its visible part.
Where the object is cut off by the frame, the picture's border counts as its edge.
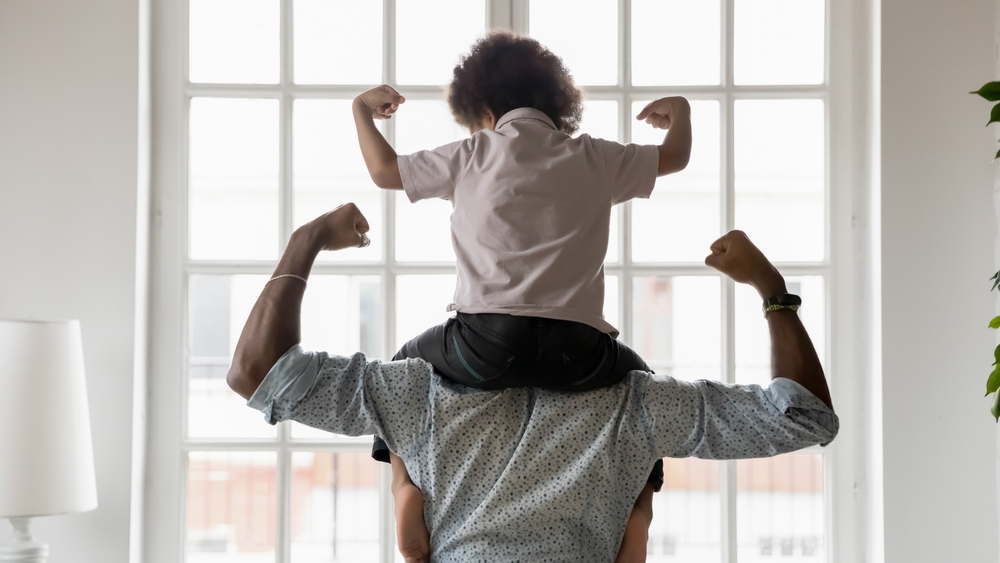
(23, 548)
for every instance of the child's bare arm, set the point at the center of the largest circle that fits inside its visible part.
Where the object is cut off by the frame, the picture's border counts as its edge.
(378, 103)
(673, 114)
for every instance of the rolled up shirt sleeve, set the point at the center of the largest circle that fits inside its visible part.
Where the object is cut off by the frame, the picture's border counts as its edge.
(712, 420)
(348, 395)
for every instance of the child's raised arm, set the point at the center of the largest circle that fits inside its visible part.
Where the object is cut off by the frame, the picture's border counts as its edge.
(378, 103)
(673, 114)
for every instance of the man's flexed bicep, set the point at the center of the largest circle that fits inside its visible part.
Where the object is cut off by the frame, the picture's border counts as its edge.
(711, 420)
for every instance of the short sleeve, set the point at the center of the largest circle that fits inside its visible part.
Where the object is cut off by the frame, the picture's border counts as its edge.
(348, 395)
(631, 169)
(711, 420)
(434, 173)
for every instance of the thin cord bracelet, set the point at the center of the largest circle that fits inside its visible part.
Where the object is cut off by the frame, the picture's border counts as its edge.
(287, 276)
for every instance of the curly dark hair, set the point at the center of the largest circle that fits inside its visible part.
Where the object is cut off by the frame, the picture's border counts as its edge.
(504, 71)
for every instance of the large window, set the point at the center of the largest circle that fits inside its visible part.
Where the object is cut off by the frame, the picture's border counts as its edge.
(265, 141)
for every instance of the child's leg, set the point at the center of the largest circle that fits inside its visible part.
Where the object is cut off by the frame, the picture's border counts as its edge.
(633, 548)
(412, 538)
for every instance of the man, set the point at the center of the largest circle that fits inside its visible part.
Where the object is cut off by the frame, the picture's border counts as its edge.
(527, 474)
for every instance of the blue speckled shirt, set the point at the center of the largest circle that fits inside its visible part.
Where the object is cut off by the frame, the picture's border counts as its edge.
(529, 474)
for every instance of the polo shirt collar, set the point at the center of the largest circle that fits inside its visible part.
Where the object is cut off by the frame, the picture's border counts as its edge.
(520, 114)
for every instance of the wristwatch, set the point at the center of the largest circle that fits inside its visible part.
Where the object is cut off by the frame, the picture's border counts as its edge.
(782, 301)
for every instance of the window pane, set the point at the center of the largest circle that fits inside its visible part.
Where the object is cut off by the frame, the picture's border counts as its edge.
(234, 41)
(338, 42)
(781, 177)
(421, 302)
(753, 351)
(218, 309)
(329, 171)
(600, 119)
(233, 179)
(779, 41)
(611, 293)
(423, 229)
(341, 315)
(584, 33)
(231, 507)
(684, 54)
(424, 125)
(780, 509)
(431, 36)
(687, 521)
(682, 217)
(335, 507)
(676, 325)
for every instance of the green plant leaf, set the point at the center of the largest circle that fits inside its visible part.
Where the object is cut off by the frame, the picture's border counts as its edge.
(993, 383)
(996, 277)
(994, 115)
(995, 409)
(996, 156)
(990, 91)
(995, 323)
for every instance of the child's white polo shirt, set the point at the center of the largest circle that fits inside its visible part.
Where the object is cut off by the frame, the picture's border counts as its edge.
(531, 213)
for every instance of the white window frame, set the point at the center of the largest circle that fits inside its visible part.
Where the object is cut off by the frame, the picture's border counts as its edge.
(166, 477)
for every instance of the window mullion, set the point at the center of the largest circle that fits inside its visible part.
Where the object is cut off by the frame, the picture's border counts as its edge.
(283, 549)
(499, 15)
(285, 196)
(625, 228)
(285, 204)
(728, 468)
(387, 532)
(519, 16)
(285, 99)
(624, 43)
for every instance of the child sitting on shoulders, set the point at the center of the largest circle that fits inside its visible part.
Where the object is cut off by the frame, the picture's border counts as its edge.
(530, 225)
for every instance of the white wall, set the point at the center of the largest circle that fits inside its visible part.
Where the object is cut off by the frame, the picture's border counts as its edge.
(937, 234)
(69, 107)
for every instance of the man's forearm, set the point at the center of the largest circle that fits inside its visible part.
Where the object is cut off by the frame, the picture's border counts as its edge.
(793, 355)
(274, 323)
(380, 157)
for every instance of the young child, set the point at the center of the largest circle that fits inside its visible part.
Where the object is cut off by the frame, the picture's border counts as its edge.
(530, 225)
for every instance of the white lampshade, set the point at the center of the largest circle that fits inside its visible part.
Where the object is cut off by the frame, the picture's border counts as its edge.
(46, 455)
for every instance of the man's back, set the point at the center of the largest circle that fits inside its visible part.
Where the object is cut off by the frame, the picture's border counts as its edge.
(531, 475)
